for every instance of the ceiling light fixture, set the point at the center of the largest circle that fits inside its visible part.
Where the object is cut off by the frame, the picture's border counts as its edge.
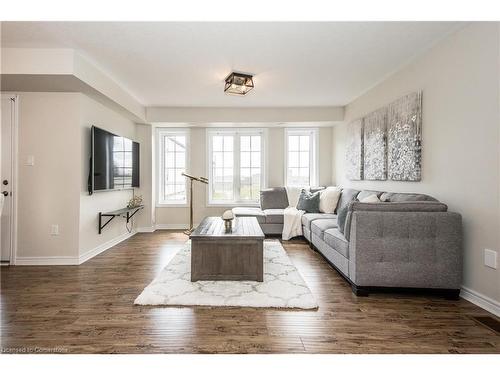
(238, 83)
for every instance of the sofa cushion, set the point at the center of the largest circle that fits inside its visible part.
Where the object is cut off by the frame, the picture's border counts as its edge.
(366, 193)
(272, 228)
(328, 199)
(274, 215)
(337, 241)
(369, 199)
(273, 198)
(308, 202)
(250, 212)
(406, 197)
(347, 196)
(307, 219)
(319, 226)
(342, 217)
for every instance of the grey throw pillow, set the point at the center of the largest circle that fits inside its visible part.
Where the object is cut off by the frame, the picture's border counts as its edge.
(273, 198)
(347, 196)
(309, 202)
(406, 197)
(341, 217)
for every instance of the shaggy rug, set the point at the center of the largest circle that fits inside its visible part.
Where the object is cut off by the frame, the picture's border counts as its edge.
(283, 286)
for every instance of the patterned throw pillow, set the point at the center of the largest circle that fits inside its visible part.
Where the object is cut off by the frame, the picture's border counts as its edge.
(308, 202)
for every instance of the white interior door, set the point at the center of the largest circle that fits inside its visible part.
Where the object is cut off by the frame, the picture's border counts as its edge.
(8, 110)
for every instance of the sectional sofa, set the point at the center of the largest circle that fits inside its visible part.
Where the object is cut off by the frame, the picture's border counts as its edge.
(407, 242)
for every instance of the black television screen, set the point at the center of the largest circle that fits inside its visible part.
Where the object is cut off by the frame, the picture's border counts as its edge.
(114, 162)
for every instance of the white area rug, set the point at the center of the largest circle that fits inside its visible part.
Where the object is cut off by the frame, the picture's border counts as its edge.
(283, 286)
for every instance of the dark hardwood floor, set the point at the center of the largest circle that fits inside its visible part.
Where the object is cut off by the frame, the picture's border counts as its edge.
(89, 309)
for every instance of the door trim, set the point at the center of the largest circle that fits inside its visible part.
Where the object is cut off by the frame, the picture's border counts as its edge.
(14, 164)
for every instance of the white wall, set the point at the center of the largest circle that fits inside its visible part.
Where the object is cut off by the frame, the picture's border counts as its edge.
(144, 135)
(48, 190)
(55, 129)
(94, 113)
(64, 70)
(179, 216)
(205, 115)
(461, 125)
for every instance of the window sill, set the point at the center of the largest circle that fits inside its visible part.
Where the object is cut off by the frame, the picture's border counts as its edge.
(172, 205)
(232, 204)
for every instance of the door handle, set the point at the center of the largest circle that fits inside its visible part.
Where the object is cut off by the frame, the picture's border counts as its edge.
(5, 193)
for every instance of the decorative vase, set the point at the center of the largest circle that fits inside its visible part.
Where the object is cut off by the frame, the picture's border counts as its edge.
(228, 217)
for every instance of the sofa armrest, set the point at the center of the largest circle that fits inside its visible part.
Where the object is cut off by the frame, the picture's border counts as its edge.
(406, 249)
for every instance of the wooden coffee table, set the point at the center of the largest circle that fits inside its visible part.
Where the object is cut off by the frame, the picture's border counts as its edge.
(217, 255)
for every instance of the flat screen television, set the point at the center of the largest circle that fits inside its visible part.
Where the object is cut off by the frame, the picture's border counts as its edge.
(114, 162)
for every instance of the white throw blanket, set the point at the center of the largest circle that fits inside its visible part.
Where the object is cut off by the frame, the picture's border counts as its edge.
(292, 218)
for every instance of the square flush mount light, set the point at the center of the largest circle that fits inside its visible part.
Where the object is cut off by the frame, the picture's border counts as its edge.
(238, 83)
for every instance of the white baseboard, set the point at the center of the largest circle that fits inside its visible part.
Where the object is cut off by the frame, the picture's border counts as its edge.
(47, 261)
(74, 261)
(71, 261)
(164, 227)
(105, 246)
(481, 300)
(173, 226)
(146, 229)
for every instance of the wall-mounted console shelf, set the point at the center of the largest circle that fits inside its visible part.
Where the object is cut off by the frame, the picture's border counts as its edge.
(126, 212)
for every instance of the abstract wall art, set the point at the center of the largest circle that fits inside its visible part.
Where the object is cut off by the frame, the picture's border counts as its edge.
(354, 150)
(375, 145)
(404, 132)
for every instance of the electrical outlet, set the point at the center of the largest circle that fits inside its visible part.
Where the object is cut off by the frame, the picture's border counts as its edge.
(490, 258)
(54, 230)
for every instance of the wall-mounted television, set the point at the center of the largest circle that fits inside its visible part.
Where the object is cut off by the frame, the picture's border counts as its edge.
(114, 162)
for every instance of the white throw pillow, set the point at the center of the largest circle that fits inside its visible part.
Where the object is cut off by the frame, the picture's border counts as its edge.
(328, 199)
(370, 199)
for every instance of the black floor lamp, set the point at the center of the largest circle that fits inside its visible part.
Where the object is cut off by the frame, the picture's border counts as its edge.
(191, 179)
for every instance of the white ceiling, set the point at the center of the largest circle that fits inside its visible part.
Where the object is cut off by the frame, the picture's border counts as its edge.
(184, 64)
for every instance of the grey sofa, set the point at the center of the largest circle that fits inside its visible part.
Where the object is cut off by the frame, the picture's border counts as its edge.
(408, 242)
(273, 201)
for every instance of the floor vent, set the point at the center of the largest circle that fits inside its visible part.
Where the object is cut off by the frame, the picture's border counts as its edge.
(488, 322)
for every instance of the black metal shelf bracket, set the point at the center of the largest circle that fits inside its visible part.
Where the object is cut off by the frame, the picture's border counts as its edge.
(127, 213)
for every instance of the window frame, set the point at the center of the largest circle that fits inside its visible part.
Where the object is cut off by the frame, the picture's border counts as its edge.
(313, 153)
(236, 164)
(160, 176)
